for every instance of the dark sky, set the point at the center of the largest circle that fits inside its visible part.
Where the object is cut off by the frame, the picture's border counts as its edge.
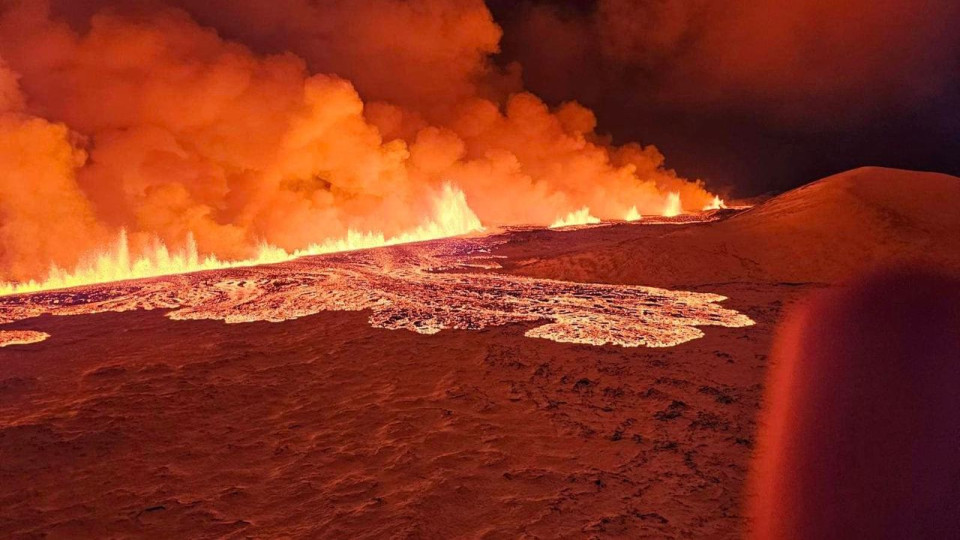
(747, 94)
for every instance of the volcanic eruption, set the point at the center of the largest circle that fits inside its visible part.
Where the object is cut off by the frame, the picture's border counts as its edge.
(141, 134)
(413, 268)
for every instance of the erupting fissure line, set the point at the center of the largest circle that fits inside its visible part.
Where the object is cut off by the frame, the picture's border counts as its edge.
(452, 216)
(401, 291)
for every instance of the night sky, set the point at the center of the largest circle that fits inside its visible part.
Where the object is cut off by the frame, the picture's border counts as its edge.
(757, 98)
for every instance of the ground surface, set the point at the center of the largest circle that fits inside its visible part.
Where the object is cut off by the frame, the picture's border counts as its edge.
(138, 425)
(132, 424)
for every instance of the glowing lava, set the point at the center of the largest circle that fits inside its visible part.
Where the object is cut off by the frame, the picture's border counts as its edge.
(632, 215)
(451, 217)
(576, 218)
(673, 207)
(423, 288)
(21, 337)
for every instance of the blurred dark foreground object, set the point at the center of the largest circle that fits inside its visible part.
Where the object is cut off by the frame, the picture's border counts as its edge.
(861, 431)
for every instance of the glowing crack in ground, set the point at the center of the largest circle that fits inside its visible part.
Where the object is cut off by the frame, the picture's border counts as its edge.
(423, 288)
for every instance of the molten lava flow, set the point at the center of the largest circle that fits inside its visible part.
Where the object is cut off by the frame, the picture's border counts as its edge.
(673, 206)
(451, 217)
(633, 215)
(21, 337)
(576, 218)
(716, 204)
(423, 288)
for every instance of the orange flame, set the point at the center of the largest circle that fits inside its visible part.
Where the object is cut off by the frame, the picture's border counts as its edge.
(452, 216)
(633, 215)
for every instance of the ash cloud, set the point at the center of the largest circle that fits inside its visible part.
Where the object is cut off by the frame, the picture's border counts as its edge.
(286, 122)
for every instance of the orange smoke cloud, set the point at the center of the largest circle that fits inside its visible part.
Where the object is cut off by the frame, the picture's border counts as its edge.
(44, 216)
(142, 119)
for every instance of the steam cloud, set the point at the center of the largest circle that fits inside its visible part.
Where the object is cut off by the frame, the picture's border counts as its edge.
(242, 122)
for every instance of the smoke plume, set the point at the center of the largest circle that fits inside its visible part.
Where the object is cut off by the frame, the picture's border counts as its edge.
(289, 122)
(758, 95)
(806, 63)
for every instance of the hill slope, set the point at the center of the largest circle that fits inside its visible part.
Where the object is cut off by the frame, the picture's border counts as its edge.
(818, 233)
